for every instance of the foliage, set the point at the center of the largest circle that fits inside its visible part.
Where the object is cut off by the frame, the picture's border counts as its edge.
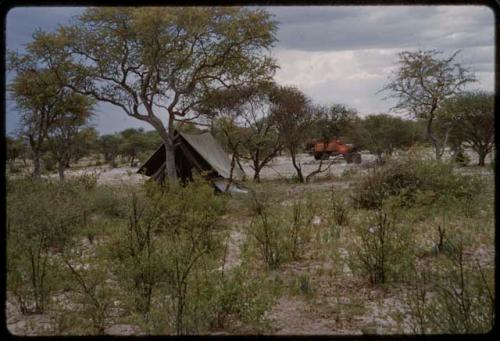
(294, 119)
(471, 118)
(334, 121)
(49, 111)
(417, 183)
(146, 60)
(384, 250)
(382, 134)
(423, 82)
(281, 234)
(245, 123)
(457, 298)
(109, 146)
(169, 244)
(42, 217)
(93, 293)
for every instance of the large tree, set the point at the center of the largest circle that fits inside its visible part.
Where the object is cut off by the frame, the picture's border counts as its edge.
(471, 118)
(422, 82)
(63, 135)
(334, 121)
(293, 116)
(382, 134)
(154, 62)
(45, 105)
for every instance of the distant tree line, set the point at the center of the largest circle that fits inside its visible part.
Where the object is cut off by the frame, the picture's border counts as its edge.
(129, 146)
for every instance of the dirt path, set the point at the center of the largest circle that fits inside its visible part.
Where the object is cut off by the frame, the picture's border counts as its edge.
(291, 316)
(236, 240)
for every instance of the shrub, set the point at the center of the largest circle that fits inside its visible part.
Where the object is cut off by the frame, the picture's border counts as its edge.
(337, 210)
(281, 234)
(168, 245)
(455, 297)
(42, 217)
(417, 183)
(384, 251)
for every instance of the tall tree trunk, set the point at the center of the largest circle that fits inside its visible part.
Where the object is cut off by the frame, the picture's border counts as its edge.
(35, 152)
(60, 168)
(296, 166)
(170, 159)
(256, 168)
(482, 156)
(36, 165)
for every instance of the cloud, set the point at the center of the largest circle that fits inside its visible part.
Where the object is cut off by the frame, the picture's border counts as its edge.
(335, 54)
(319, 28)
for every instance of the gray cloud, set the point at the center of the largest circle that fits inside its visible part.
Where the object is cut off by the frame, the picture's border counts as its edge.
(335, 54)
(347, 28)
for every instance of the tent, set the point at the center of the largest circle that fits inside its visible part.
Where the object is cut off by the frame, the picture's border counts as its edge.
(196, 153)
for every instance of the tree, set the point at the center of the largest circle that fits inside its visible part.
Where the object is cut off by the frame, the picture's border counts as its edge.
(294, 119)
(423, 82)
(38, 97)
(133, 144)
(62, 135)
(382, 134)
(109, 146)
(86, 143)
(147, 60)
(334, 121)
(471, 117)
(246, 124)
(16, 148)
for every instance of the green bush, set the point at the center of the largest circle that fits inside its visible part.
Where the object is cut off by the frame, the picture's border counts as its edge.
(42, 217)
(455, 296)
(420, 183)
(384, 251)
(166, 248)
(281, 233)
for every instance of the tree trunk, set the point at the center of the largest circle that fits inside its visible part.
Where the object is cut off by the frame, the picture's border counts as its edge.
(256, 168)
(482, 156)
(256, 176)
(297, 167)
(36, 165)
(60, 168)
(170, 169)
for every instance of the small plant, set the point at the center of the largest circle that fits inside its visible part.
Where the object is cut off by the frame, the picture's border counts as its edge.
(385, 250)
(457, 297)
(461, 158)
(281, 235)
(304, 285)
(338, 209)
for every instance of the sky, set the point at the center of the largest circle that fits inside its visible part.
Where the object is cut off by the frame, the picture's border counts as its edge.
(334, 54)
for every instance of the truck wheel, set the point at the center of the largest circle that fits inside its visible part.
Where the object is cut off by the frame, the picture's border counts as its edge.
(348, 157)
(317, 156)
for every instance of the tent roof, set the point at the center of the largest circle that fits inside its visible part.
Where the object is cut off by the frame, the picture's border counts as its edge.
(208, 148)
(205, 146)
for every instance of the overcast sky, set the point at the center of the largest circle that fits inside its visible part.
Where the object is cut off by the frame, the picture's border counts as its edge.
(335, 54)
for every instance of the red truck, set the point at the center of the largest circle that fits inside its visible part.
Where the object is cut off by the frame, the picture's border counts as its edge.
(323, 149)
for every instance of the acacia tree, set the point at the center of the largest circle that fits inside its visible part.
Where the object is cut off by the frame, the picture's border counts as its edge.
(152, 61)
(423, 82)
(382, 134)
(38, 98)
(133, 143)
(248, 127)
(62, 136)
(334, 121)
(293, 116)
(471, 117)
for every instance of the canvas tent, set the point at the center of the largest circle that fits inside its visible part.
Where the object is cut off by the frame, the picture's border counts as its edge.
(196, 153)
